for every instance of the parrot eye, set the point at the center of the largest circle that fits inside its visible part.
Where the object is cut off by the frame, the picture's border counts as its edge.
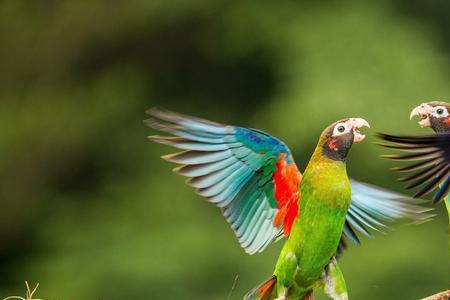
(441, 111)
(340, 129)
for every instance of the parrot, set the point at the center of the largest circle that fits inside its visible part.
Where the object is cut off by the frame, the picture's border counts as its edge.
(253, 179)
(431, 151)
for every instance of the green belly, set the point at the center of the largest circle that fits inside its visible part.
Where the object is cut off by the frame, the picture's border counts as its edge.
(314, 239)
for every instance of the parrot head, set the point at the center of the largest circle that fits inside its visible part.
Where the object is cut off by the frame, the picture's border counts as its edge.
(433, 114)
(338, 138)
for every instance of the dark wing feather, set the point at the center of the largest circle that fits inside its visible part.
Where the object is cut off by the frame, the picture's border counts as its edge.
(433, 168)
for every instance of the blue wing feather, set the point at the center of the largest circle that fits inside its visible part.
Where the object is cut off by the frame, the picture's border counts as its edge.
(232, 167)
(371, 207)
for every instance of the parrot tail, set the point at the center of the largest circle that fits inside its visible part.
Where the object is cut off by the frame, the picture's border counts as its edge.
(262, 291)
(309, 296)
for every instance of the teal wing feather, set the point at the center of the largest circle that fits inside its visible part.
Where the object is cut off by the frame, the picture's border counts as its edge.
(236, 169)
(372, 208)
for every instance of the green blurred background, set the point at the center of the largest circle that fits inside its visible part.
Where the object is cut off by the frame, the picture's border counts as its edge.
(90, 211)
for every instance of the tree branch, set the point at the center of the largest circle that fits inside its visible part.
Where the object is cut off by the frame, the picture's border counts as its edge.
(439, 296)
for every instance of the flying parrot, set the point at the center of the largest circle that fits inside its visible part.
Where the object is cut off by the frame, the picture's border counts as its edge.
(431, 151)
(252, 177)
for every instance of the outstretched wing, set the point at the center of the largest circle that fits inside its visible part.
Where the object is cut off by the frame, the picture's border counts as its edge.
(372, 207)
(433, 168)
(250, 175)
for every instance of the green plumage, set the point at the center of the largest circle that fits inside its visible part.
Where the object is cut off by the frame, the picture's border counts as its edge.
(325, 198)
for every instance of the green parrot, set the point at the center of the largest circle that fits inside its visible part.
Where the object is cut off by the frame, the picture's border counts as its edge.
(252, 177)
(432, 152)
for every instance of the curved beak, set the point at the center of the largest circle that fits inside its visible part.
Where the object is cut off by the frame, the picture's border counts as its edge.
(357, 123)
(423, 111)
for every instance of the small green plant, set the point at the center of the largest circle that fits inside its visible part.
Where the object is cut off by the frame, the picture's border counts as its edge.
(29, 294)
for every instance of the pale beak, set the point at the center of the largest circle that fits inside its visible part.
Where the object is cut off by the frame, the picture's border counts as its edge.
(357, 123)
(423, 111)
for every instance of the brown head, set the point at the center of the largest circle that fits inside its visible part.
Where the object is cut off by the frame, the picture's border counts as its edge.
(434, 114)
(338, 138)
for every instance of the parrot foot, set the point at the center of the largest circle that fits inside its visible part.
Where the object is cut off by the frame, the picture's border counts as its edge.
(282, 292)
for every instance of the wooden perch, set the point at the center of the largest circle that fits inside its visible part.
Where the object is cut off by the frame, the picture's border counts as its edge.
(439, 296)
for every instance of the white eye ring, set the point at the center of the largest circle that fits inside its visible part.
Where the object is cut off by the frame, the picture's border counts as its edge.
(440, 111)
(341, 129)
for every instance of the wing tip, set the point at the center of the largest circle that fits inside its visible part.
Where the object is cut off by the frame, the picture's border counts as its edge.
(171, 157)
(155, 111)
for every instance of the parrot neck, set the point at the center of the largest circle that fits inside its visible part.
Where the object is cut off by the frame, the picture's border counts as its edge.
(324, 155)
(328, 178)
(334, 148)
(440, 126)
(320, 161)
(321, 165)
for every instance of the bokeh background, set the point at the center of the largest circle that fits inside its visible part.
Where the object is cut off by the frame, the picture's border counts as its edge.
(89, 210)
